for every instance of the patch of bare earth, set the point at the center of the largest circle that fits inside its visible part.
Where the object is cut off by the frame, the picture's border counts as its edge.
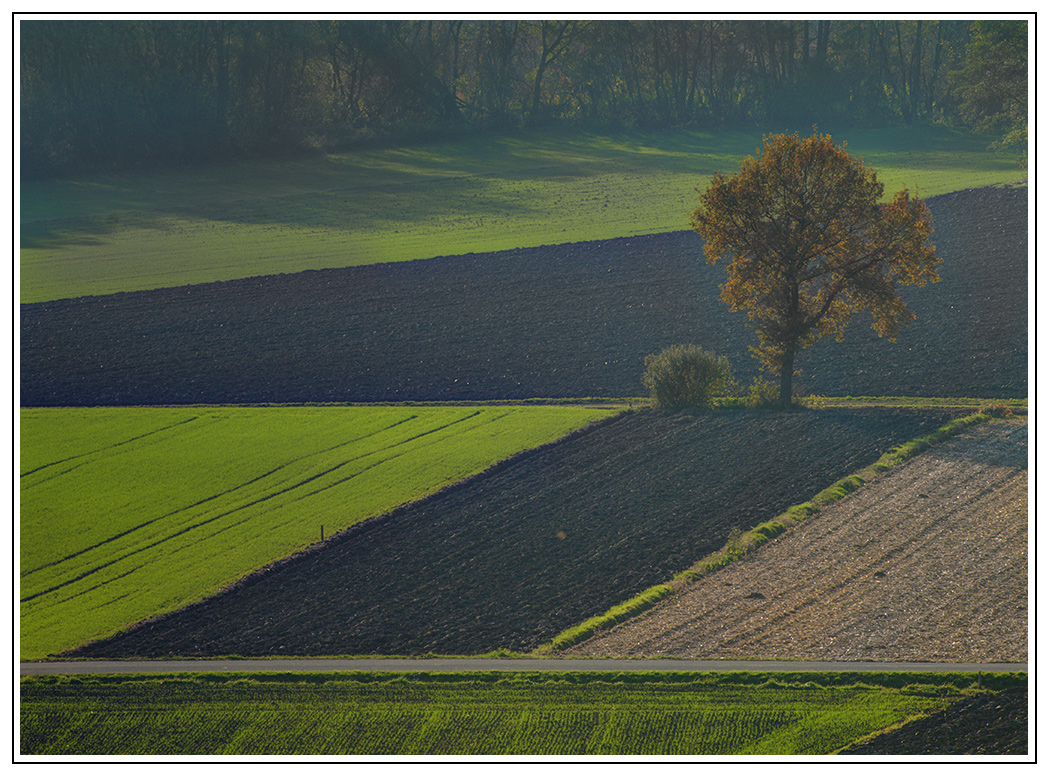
(928, 563)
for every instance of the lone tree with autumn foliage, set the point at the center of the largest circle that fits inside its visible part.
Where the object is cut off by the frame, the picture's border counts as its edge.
(809, 243)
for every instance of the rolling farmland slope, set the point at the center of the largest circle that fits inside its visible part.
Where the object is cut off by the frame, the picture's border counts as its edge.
(130, 512)
(562, 261)
(574, 320)
(515, 557)
(929, 563)
(165, 228)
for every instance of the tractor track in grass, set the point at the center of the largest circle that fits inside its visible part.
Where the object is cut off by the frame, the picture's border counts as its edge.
(518, 555)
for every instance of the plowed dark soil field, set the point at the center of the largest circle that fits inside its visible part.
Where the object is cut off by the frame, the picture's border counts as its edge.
(513, 557)
(929, 563)
(572, 320)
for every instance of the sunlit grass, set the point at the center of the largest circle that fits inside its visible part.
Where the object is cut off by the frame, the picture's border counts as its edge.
(126, 513)
(136, 231)
(497, 713)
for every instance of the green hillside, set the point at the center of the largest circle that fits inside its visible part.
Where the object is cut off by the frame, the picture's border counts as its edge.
(134, 231)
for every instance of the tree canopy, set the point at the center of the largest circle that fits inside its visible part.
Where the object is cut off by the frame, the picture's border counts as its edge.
(810, 243)
(992, 83)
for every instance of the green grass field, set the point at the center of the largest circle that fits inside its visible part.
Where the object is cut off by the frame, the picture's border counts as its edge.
(145, 230)
(127, 513)
(497, 713)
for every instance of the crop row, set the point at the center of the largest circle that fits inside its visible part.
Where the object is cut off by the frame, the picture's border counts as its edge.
(399, 715)
(129, 512)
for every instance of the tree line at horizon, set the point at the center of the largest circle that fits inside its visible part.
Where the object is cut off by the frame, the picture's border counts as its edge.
(112, 94)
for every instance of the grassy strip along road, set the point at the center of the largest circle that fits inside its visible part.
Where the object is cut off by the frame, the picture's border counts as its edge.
(760, 534)
(453, 664)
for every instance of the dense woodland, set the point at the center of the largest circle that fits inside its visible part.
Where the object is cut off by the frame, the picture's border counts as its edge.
(114, 94)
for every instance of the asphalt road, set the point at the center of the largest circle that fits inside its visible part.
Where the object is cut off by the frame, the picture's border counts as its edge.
(494, 664)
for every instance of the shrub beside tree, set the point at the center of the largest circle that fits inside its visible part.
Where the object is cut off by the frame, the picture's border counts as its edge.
(808, 243)
(686, 376)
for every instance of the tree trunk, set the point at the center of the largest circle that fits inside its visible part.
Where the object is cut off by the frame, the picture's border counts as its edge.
(931, 84)
(550, 48)
(536, 86)
(787, 371)
(222, 79)
(823, 35)
(915, 72)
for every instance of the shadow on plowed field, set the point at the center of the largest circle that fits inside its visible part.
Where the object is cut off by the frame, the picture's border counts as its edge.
(573, 320)
(993, 724)
(514, 557)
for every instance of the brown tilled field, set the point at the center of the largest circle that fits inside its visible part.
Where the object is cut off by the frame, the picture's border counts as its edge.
(929, 563)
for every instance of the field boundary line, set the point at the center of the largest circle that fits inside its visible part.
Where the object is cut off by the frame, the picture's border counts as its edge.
(374, 521)
(757, 536)
(1018, 406)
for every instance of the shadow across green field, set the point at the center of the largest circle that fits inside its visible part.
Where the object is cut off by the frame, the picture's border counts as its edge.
(167, 227)
(314, 192)
(408, 184)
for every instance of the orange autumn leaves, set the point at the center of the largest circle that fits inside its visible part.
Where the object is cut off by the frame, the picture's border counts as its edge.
(809, 244)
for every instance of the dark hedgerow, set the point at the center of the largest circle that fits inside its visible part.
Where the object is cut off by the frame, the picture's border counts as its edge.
(686, 376)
